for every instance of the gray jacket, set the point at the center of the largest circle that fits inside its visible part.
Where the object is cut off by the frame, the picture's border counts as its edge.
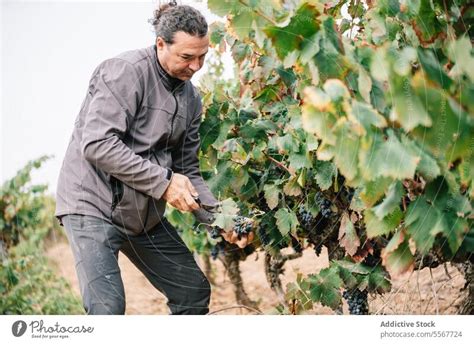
(135, 123)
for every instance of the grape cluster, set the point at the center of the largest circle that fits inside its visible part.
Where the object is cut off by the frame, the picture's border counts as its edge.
(263, 235)
(324, 205)
(216, 249)
(215, 232)
(357, 301)
(243, 225)
(304, 217)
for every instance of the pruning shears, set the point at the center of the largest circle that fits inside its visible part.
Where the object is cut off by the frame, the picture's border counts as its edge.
(209, 208)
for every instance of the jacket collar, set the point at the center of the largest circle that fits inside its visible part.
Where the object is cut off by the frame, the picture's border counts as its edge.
(171, 84)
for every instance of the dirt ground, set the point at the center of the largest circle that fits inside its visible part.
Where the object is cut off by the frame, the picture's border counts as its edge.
(425, 292)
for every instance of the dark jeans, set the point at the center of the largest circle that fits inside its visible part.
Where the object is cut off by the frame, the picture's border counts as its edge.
(160, 254)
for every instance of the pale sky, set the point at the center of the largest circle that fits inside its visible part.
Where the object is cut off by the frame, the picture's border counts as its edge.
(49, 51)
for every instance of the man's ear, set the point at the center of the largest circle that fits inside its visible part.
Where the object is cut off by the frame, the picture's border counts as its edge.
(160, 43)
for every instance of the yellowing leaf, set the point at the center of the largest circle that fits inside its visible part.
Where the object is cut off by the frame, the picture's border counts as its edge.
(292, 188)
(397, 257)
(271, 192)
(348, 237)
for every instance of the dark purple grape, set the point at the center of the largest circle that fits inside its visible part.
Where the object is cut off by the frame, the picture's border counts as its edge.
(324, 205)
(357, 301)
(242, 226)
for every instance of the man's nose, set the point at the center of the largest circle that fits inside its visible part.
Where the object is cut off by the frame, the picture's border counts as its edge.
(194, 65)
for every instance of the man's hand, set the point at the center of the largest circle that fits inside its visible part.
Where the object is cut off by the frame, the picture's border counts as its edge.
(233, 238)
(180, 193)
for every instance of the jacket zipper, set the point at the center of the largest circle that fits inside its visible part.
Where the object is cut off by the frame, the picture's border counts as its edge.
(171, 135)
(174, 114)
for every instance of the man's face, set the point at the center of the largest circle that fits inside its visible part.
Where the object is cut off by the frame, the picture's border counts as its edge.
(185, 56)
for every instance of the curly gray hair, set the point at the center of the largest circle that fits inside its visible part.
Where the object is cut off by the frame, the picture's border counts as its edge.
(170, 18)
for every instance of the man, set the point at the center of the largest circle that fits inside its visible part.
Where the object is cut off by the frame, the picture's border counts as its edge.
(134, 148)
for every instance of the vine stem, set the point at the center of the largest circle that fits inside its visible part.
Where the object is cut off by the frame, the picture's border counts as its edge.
(235, 306)
(279, 164)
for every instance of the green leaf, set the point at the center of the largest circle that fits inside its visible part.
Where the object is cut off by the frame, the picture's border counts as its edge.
(426, 21)
(372, 191)
(450, 135)
(224, 7)
(286, 221)
(377, 227)
(325, 173)
(365, 115)
(377, 280)
(391, 201)
(302, 26)
(286, 144)
(272, 193)
(433, 68)
(324, 287)
(223, 132)
(237, 152)
(240, 51)
(408, 110)
(427, 167)
(243, 23)
(387, 159)
(423, 222)
(331, 34)
(225, 217)
(299, 160)
(310, 48)
(336, 90)
(460, 51)
(294, 291)
(220, 181)
(346, 151)
(319, 123)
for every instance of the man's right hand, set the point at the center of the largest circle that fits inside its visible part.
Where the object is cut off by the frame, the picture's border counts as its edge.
(180, 193)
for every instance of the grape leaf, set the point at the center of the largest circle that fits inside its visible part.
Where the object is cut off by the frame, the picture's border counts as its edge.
(397, 257)
(225, 217)
(224, 7)
(324, 287)
(348, 237)
(391, 201)
(347, 151)
(286, 221)
(376, 227)
(292, 188)
(325, 172)
(423, 222)
(272, 193)
(301, 27)
(388, 158)
(366, 115)
(364, 83)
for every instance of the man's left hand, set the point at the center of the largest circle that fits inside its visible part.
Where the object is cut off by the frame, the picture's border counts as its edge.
(233, 238)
